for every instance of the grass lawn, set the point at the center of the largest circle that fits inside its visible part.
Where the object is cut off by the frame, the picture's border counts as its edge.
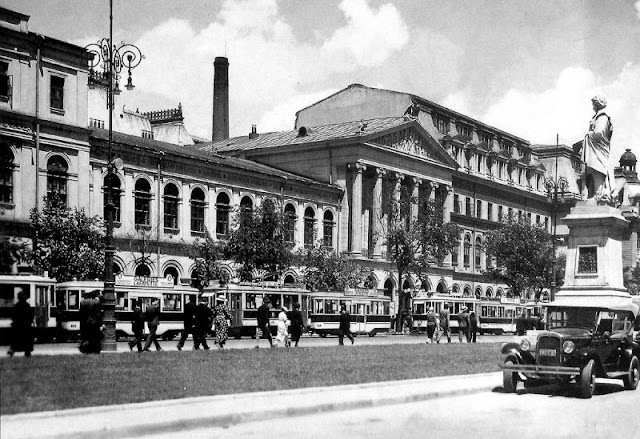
(67, 381)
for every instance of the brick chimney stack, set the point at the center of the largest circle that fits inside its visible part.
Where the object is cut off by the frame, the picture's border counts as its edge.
(220, 99)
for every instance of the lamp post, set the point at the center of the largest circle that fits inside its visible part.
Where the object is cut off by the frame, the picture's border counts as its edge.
(555, 188)
(111, 59)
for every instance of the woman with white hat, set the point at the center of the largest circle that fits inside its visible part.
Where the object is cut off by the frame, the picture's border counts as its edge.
(283, 325)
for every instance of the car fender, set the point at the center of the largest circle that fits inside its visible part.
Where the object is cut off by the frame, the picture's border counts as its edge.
(514, 350)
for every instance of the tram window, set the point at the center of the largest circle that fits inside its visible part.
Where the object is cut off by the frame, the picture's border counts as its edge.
(171, 302)
(375, 308)
(276, 301)
(74, 299)
(386, 308)
(419, 308)
(289, 300)
(331, 306)
(483, 311)
(250, 301)
(121, 300)
(6, 296)
(500, 311)
(236, 301)
(318, 307)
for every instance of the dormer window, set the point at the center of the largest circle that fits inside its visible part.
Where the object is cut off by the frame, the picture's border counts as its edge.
(487, 138)
(466, 132)
(441, 123)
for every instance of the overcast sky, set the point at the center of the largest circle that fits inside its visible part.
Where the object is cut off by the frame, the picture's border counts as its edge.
(525, 66)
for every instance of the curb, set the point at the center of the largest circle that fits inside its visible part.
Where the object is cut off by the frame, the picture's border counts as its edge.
(148, 418)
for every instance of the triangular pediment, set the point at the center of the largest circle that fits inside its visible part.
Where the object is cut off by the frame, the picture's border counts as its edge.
(412, 139)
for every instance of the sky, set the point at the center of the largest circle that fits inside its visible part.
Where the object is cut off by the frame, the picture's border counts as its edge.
(528, 67)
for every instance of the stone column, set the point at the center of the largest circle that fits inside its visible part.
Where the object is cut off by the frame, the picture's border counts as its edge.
(432, 194)
(447, 208)
(356, 208)
(415, 198)
(377, 220)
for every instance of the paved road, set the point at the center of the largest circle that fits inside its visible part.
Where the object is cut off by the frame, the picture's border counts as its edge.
(246, 343)
(528, 414)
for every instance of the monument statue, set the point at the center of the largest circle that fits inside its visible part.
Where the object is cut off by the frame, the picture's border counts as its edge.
(595, 153)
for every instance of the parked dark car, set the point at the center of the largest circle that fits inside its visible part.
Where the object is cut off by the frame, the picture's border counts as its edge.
(585, 339)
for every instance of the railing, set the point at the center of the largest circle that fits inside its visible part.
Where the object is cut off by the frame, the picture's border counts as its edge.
(146, 134)
(96, 123)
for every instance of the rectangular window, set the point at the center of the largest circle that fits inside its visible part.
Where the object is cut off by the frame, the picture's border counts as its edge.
(478, 208)
(479, 163)
(499, 213)
(588, 259)
(490, 211)
(467, 206)
(456, 205)
(172, 302)
(441, 124)
(197, 216)
(5, 82)
(170, 215)
(57, 94)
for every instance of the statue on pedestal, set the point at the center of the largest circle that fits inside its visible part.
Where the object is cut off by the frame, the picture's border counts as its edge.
(595, 154)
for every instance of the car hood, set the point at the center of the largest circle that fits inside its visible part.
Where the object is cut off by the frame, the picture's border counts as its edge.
(567, 333)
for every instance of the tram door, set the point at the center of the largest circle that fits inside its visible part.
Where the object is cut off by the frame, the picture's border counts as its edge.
(359, 316)
(41, 306)
(235, 308)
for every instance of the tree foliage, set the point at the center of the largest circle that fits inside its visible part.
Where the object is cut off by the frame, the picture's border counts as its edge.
(206, 254)
(631, 277)
(67, 243)
(327, 270)
(11, 252)
(258, 243)
(524, 256)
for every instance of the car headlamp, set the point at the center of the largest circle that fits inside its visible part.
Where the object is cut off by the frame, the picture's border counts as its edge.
(568, 347)
(525, 344)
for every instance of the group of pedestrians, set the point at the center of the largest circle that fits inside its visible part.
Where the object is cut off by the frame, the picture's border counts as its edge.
(439, 325)
(200, 319)
(288, 329)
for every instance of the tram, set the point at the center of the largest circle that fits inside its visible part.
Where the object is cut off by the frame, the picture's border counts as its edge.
(501, 317)
(245, 298)
(421, 303)
(128, 290)
(369, 310)
(40, 291)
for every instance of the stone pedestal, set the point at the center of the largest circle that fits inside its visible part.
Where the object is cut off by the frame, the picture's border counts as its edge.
(594, 253)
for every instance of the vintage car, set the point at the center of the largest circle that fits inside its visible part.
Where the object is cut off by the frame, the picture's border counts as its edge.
(583, 340)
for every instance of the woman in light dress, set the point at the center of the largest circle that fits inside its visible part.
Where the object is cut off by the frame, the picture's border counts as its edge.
(283, 328)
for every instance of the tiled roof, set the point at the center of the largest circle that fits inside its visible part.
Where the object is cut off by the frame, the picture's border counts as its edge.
(323, 133)
(192, 152)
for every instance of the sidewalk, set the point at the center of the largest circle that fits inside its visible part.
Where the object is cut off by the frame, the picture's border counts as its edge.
(132, 420)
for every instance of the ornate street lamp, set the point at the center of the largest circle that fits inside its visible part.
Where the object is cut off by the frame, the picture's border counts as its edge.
(111, 59)
(555, 188)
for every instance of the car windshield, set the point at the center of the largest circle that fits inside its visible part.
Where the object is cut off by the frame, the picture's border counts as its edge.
(584, 318)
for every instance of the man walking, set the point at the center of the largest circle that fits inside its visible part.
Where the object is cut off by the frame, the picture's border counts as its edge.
(21, 332)
(473, 326)
(345, 326)
(445, 329)
(432, 324)
(137, 327)
(91, 323)
(153, 321)
(188, 320)
(203, 322)
(264, 330)
(463, 324)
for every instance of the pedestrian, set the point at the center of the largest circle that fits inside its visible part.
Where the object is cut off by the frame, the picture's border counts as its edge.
(463, 324)
(188, 319)
(264, 329)
(445, 328)
(521, 324)
(221, 316)
(432, 324)
(152, 316)
(91, 323)
(473, 326)
(282, 335)
(345, 326)
(21, 332)
(297, 324)
(137, 327)
(203, 322)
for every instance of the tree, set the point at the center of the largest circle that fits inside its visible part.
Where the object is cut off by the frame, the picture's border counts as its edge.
(327, 270)
(417, 239)
(11, 252)
(205, 254)
(67, 243)
(524, 256)
(258, 242)
(631, 277)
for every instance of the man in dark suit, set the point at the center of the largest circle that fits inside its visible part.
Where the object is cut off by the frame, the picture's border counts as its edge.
(91, 323)
(345, 326)
(153, 321)
(189, 320)
(203, 320)
(137, 327)
(264, 330)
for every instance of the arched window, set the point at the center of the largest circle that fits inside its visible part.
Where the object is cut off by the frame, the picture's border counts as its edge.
(142, 197)
(499, 293)
(289, 279)
(425, 286)
(6, 175)
(222, 215)
(467, 250)
(57, 179)
(478, 253)
(478, 292)
(309, 227)
(289, 222)
(371, 282)
(197, 211)
(327, 229)
(116, 269)
(441, 288)
(489, 293)
(173, 271)
(466, 292)
(171, 198)
(143, 270)
(388, 288)
(112, 182)
(455, 289)
(246, 204)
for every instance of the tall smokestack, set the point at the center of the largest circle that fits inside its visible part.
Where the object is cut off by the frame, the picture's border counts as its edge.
(220, 99)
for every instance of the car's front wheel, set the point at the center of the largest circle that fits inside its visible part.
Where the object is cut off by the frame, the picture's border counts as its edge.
(509, 378)
(633, 375)
(587, 381)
